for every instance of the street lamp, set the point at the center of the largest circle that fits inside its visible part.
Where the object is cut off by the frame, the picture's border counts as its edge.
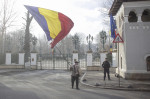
(89, 39)
(103, 38)
(75, 41)
(21, 40)
(34, 41)
(8, 39)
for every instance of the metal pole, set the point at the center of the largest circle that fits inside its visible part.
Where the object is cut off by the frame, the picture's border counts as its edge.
(53, 59)
(67, 62)
(118, 66)
(89, 45)
(103, 43)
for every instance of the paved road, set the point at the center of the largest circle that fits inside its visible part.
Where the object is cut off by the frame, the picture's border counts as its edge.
(54, 84)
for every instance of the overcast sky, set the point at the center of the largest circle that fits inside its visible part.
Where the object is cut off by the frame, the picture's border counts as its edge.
(84, 13)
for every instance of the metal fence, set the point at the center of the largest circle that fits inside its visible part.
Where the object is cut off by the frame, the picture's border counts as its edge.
(2, 59)
(64, 61)
(96, 59)
(82, 59)
(59, 61)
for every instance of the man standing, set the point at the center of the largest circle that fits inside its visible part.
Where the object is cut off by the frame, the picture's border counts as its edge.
(106, 67)
(75, 74)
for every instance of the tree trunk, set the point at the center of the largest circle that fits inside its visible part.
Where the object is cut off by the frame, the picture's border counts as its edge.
(27, 37)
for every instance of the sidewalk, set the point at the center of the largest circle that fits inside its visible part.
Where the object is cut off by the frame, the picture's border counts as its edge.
(95, 79)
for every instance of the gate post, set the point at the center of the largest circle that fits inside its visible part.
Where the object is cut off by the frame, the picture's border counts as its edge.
(34, 60)
(102, 57)
(75, 56)
(8, 58)
(89, 60)
(21, 58)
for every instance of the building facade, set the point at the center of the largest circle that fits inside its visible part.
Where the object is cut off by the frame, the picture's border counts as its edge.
(133, 25)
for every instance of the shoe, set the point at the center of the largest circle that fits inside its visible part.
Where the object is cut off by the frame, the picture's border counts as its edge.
(78, 88)
(109, 79)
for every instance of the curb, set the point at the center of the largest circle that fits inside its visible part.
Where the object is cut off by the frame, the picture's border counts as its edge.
(112, 88)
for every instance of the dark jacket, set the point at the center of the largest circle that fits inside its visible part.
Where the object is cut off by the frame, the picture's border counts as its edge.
(106, 65)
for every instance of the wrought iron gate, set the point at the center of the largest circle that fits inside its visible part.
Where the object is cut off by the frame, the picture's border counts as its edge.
(60, 61)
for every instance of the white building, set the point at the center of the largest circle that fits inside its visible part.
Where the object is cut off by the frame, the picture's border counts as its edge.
(133, 24)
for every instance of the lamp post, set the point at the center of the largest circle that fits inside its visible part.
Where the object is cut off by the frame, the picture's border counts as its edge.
(8, 39)
(21, 39)
(75, 41)
(89, 39)
(34, 41)
(103, 38)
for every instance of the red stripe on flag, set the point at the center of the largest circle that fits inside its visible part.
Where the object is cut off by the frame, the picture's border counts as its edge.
(66, 25)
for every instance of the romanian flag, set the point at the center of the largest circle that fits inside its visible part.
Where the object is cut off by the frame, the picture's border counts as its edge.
(55, 24)
(113, 26)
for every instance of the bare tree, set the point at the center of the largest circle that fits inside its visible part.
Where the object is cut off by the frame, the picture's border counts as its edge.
(105, 10)
(7, 17)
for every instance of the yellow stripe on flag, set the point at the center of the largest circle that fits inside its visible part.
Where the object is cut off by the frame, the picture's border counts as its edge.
(53, 21)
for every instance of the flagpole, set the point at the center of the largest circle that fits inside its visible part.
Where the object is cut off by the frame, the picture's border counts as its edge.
(109, 41)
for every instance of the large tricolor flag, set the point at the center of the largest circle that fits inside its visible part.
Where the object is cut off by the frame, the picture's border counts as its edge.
(55, 24)
(112, 26)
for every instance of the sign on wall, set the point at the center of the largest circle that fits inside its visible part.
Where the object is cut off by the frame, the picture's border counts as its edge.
(118, 39)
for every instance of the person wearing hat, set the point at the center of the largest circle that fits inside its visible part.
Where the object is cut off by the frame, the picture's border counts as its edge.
(75, 74)
(106, 67)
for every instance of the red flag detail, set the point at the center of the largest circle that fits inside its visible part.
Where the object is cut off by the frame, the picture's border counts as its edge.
(66, 25)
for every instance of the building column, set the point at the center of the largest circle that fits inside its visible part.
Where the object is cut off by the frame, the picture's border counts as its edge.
(139, 18)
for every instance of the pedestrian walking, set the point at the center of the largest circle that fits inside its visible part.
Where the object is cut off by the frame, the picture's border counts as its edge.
(106, 66)
(75, 74)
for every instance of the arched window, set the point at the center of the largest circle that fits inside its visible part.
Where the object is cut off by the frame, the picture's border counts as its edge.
(146, 16)
(132, 17)
(148, 63)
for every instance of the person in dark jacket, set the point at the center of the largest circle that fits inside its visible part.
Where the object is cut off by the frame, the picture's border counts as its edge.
(106, 67)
